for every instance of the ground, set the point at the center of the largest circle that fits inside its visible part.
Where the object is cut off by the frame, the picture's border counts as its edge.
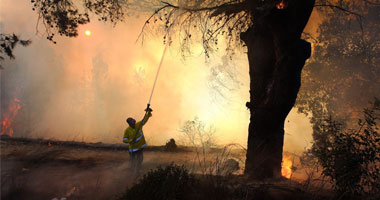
(44, 169)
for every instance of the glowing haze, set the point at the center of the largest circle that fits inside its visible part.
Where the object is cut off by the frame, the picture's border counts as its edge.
(87, 33)
(84, 88)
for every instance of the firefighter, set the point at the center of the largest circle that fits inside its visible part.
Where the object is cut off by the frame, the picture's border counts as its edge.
(134, 136)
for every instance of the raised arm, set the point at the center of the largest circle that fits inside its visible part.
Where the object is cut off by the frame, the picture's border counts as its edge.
(141, 123)
(147, 115)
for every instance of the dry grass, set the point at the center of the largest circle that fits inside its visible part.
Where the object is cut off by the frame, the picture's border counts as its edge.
(43, 169)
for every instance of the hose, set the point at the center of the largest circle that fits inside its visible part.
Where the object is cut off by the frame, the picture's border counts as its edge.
(158, 71)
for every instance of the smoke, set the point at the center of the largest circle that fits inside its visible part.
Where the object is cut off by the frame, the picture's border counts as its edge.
(344, 68)
(84, 88)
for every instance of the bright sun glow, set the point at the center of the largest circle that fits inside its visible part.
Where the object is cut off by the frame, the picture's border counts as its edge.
(87, 32)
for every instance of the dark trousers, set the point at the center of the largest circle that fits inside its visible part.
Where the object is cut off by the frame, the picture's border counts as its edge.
(136, 161)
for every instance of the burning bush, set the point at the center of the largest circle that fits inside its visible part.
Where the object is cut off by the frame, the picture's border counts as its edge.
(9, 116)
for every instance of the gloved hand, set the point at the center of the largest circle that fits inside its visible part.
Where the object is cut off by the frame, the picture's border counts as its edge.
(148, 109)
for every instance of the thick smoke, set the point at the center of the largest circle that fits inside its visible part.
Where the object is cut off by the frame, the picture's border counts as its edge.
(84, 88)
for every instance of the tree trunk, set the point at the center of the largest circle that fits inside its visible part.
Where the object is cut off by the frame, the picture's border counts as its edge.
(276, 55)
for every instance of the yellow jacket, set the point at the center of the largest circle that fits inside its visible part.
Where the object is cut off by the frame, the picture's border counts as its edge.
(129, 135)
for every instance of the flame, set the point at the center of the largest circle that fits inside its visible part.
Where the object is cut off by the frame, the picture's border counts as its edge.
(280, 5)
(71, 191)
(9, 116)
(286, 167)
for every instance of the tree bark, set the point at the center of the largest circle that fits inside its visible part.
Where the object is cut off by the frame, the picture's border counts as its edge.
(276, 55)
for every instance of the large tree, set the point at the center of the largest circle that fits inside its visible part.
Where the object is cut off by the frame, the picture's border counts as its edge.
(269, 29)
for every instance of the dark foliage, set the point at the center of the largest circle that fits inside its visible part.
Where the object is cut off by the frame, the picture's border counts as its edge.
(8, 42)
(171, 145)
(64, 17)
(350, 157)
(345, 63)
(174, 182)
(164, 183)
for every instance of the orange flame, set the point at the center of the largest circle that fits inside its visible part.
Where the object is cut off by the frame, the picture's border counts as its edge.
(286, 167)
(280, 5)
(9, 116)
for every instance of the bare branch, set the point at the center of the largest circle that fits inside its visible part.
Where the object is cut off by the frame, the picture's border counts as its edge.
(372, 3)
(147, 21)
(229, 9)
(216, 18)
(346, 11)
(223, 8)
(309, 36)
(339, 8)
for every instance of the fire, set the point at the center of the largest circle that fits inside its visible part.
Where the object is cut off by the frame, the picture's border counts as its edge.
(9, 116)
(280, 5)
(286, 167)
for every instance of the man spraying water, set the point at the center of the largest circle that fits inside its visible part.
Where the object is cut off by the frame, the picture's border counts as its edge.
(134, 136)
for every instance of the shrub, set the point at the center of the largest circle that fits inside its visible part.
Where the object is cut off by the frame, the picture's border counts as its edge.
(171, 145)
(170, 182)
(351, 158)
(195, 133)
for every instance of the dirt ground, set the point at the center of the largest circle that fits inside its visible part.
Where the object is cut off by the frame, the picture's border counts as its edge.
(42, 169)
(55, 170)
